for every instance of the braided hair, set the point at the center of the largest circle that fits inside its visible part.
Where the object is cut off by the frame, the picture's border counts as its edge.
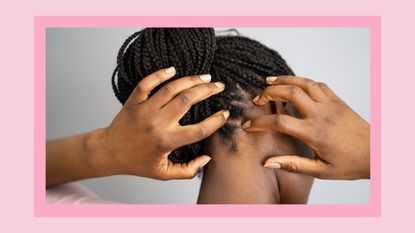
(239, 62)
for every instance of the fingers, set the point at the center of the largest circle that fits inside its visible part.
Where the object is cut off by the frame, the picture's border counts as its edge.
(145, 86)
(192, 133)
(294, 94)
(186, 170)
(298, 164)
(312, 88)
(327, 91)
(279, 122)
(172, 89)
(184, 101)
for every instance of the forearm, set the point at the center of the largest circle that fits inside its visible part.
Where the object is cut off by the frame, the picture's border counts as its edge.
(75, 158)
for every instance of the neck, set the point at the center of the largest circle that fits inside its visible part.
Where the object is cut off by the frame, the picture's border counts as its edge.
(236, 173)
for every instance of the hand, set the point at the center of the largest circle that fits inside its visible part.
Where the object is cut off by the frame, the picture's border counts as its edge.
(339, 137)
(146, 130)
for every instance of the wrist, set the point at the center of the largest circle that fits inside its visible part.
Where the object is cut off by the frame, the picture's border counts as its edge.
(98, 157)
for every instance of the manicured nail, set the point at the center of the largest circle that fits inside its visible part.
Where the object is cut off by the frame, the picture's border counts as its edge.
(256, 98)
(205, 78)
(170, 70)
(271, 79)
(246, 125)
(204, 163)
(226, 114)
(220, 85)
(272, 165)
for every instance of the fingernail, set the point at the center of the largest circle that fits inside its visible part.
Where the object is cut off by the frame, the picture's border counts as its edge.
(226, 114)
(204, 163)
(220, 85)
(205, 78)
(170, 70)
(246, 124)
(256, 98)
(271, 79)
(272, 165)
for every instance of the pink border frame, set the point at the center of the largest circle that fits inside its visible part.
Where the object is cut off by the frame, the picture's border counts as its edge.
(41, 209)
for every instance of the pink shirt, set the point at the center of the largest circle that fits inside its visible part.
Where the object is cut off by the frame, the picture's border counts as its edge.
(72, 193)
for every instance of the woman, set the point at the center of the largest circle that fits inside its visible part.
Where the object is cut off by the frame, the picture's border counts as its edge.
(241, 65)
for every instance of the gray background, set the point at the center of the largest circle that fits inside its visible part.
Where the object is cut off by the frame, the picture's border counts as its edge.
(80, 98)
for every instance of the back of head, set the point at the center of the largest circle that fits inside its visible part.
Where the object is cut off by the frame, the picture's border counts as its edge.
(239, 62)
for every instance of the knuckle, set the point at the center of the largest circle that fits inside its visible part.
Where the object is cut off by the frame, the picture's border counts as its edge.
(202, 132)
(164, 144)
(168, 89)
(311, 84)
(280, 122)
(319, 138)
(307, 80)
(336, 102)
(132, 109)
(292, 167)
(321, 84)
(295, 91)
(140, 88)
(150, 127)
(282, 78)
(326, 119)
(186, 98)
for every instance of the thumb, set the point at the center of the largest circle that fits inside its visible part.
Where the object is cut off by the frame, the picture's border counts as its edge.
(297, 164)
(190, 169)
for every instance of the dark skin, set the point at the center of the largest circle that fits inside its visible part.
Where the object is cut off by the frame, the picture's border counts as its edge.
(146, 130)
(338, 135)
(238, 176)
(141, 136)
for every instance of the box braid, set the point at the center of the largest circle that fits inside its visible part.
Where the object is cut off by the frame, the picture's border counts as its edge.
(239, 62)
